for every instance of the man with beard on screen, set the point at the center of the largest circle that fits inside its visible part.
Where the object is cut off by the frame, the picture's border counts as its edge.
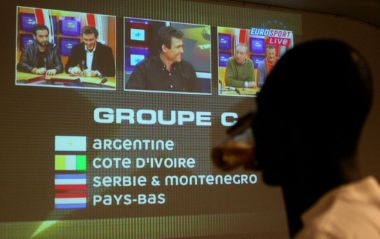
(40, 57)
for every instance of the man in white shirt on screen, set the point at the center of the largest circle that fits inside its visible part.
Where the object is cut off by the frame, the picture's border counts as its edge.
(91, 58)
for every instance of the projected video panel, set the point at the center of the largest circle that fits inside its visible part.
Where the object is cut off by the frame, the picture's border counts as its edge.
(185, 57)
(62, 62)
(253, 52)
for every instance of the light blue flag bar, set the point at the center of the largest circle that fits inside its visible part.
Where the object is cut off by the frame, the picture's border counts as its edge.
(70, 143)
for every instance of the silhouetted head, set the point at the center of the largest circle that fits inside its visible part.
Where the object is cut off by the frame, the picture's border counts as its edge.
(311, 110)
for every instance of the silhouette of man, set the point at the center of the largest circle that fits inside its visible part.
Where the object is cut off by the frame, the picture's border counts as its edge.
(307, 138)
(306, 141)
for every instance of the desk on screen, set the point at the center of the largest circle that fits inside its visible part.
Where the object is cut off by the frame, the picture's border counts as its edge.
(65, 80)
(239, 91)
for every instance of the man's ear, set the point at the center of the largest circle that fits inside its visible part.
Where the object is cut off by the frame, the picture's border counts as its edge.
(164, 48)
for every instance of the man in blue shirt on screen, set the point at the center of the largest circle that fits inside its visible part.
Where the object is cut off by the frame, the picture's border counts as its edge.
(166, 71)
(40, 57)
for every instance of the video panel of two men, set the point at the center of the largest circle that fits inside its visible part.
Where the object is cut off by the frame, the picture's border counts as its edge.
(246, 56)
(167, 56)
(65, 49)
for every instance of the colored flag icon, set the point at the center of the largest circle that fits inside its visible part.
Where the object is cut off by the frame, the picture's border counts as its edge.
(70, 200)
(71, 162)
(70, 182)
(70, 143)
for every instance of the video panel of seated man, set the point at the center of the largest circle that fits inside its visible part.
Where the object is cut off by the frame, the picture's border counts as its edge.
(167, 57)
(246, 56)
(65, 49)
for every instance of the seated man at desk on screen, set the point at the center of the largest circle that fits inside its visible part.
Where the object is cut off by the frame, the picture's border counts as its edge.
(166, 71)
(266, 65)
(91, 58)
(40, 57)
(240, 71)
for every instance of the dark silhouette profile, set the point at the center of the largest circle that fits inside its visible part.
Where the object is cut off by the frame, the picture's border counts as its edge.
(308, 122)
(310, 114)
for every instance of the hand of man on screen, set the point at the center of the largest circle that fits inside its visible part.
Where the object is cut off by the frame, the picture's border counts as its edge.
(250, 84)
(89, 73)
(75, 71)
(39, 71)
(51, 72)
